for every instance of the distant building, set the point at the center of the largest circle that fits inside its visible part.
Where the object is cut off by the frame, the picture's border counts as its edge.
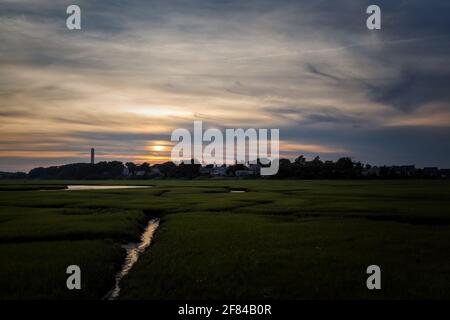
(445, 173)
(207, 170)
(374, 171)
(155, 173)
(244, 173)
(408, 170)
(256, 169)
(396, 170)
(140, 173)
(430, 172)
(219, 171)
(92, 155)
(404, 171)
(125, 172)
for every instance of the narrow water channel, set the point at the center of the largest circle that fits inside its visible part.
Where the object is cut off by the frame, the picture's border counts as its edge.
(134, 251)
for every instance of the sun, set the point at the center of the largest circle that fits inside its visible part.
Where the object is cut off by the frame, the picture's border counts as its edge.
(158, 148)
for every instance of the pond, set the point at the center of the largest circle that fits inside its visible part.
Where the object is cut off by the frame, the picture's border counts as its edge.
(102, 187)
(238, 190)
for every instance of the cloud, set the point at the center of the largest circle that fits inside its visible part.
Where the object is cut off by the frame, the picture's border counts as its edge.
(413, 89)
(138, 69)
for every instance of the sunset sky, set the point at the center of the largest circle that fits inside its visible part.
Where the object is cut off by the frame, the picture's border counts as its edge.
(139, 69)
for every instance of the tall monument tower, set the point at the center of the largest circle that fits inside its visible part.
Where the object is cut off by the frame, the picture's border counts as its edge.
(92, 155)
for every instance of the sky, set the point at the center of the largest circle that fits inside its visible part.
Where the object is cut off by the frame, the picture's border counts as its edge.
(139, 69)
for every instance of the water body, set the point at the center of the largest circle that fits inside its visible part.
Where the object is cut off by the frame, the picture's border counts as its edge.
(102, 187)
(134, 251)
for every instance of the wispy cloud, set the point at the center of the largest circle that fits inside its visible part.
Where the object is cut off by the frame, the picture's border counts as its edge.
(139, 69)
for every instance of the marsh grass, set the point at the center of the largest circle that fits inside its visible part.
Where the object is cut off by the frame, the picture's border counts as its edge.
(37, 270)
(279, 239)
(235, 256)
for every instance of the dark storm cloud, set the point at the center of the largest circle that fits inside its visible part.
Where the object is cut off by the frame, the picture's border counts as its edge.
(413, 89)
(307, 117)
(417, 37)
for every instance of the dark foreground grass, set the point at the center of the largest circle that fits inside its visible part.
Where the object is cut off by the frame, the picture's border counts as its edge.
(227, 256)
(37, 270)
(21, 224)
(281, 239)
(42, 233)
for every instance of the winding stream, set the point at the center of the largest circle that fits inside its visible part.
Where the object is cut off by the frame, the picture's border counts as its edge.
(134, 251)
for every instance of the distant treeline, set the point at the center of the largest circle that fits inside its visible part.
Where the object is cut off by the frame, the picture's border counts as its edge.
(300, 168)
(13, 175)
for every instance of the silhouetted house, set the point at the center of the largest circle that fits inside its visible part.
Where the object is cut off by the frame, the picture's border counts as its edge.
(140, 173)
(207, 170)
(396, 170)
(370, 171)
(403, 171)
(244, 173)
(255, 168)
(155, 173)
(125, 172)
(374, 171)
(407, 170)
(444, 173)
(219, 171)
(430, 172)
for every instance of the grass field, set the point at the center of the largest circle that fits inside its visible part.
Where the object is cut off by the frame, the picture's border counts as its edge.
(278, 240)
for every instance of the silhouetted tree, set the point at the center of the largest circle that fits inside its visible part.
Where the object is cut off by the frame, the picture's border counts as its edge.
(344, 168)
(131, 167)
(285, 169)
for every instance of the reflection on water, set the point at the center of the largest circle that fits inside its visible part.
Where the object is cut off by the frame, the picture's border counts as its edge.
(134, 251)
(104, 187)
